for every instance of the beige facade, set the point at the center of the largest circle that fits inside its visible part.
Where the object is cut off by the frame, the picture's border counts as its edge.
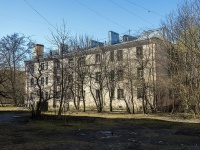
(125, 74)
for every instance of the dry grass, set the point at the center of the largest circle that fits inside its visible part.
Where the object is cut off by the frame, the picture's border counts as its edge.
(179, 117)
(94, 131)
(12, 108)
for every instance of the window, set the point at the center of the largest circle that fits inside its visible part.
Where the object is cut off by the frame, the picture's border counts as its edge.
(58, 79)
(81, 61)
(47, 80)
(57, 94)
(97, 58)
(139, 93)
(151, 71)
(119, 55)
(139, 72)
(111, 55)
(139, 52)
(42, 80)
(38, 92)
(112, 75)
(42, 66)
(31, 69)
(46, 95)
(170, 94)
(57, 64)
(31, 96)
(69, 95)
(120, 93)
(42, 93)
(81, 76)
(97, 94)
(98, 76)
(32, 81)
(70, 78)
(81, 94)
(71, 62)
(120, 75)
(46, 65)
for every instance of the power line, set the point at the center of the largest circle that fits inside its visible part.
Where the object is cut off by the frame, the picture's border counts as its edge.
(22, 19)
(130, 12)
(90, 10)
(144, 8)
(39, 14)
(100, 14)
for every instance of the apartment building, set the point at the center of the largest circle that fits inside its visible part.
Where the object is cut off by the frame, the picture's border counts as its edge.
(129, 75)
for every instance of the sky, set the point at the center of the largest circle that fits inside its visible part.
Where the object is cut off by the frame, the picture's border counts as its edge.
(94, 18)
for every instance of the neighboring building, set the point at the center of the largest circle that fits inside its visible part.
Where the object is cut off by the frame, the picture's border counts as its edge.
(123, 75)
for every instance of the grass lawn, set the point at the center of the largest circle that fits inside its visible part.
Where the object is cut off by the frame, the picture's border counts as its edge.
(101, 131)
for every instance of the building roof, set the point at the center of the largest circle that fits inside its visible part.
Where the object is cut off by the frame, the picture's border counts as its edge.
(137, 42)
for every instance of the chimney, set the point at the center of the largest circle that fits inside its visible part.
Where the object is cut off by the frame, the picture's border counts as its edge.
(113, 37)
(38, 50)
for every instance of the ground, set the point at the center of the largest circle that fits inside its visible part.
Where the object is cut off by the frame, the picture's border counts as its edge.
(117, 131)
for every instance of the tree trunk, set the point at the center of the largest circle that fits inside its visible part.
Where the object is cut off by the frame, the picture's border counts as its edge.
(143, 106)
(133, 107)
(111, 109)
(83, 103)
(173, 103)
(37, 114)
(60, 110)
(61, 106)
(127, 107)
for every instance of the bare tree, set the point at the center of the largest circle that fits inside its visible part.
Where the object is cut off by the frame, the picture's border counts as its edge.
(60, 39)
(145, 79)
(4, 92)
(15, 49)
(80, 46)
(40, 82)
(130, 77)
(97, 77)
(182, 30)
(110, 71)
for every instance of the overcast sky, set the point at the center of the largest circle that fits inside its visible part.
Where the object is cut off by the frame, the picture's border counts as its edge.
(91, 17)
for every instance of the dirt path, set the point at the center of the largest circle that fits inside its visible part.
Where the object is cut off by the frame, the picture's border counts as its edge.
(6, 118)
(9, 117)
